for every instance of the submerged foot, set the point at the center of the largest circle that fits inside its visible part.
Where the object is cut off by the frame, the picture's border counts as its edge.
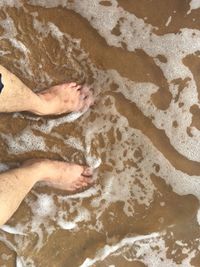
(62, 175)
(66, 98)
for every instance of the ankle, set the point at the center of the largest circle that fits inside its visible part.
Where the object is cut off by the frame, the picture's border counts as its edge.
(40, 169)
(38, 105)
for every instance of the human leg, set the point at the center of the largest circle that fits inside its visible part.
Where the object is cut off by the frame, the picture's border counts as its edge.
(16, 96)
(16, 183)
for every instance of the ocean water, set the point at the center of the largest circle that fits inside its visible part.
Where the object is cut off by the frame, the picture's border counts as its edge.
(142, 59)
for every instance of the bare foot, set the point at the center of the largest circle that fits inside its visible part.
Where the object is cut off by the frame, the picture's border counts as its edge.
(66, 98)
(61, 175)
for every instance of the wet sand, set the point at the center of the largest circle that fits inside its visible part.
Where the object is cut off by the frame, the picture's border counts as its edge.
(142, 59)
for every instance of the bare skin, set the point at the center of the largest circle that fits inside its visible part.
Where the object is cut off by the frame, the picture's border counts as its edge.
(64, 98)
(59, 99)
(61, 175)
(16, 183)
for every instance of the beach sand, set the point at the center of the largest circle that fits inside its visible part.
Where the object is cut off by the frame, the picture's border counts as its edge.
(142, 59)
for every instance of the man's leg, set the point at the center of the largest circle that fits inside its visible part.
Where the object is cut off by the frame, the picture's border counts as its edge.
(16, 183)
(16, 96)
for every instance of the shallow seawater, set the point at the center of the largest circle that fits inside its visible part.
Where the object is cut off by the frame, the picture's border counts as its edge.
(142, 58)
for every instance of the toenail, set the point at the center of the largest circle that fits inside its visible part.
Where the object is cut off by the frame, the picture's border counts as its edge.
(88, 171)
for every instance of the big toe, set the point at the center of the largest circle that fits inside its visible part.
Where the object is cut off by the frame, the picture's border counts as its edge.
(85, 90)
(71, 85)
(88, 101)
(88, 171)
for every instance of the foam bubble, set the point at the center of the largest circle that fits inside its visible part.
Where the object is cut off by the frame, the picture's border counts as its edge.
(86, 194)
(19, 262)
(140, 93)
(24, 142)
(3, 167)
(44, 206)
(93, 162)
(122, 182)
(11, 230)
(137, 34)
(9, 28)
(154, 254)
(107, 250)
(168, 21)
(194, 4)
(8, 243)
(48, 3)
(11, 3)
(198, 216)
(66, 225)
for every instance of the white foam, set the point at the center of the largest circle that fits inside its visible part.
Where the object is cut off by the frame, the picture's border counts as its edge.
(168, 21)
(19, 262)
(48, 3)
(122, 183)
(107, 250)
(93, 162)
(5, 257)
(194, 4)
(10, 34)
(154, 254)
(19, 45)
(75, 143)
(8, 243)
(52, 123)
(44, 206)
(11, 3)
(139, 35)
(86, 194)
(24, 142)
(83, 215)
(140, 93)
(3, 167)
(9, 28)
(66, 225)
(198, 216)
(11, 230)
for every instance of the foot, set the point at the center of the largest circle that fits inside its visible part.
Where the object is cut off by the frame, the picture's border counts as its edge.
(61, 175)
(65, 98)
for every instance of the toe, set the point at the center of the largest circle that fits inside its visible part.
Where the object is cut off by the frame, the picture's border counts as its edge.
(78, 186)
(86, 179)
(85, 90)
(87, 103)
(87, 171)
(79, 183)
(71, 188)
(73, 84)
(83, 96)
(86, 100)
(84, 184)
(77, 87)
